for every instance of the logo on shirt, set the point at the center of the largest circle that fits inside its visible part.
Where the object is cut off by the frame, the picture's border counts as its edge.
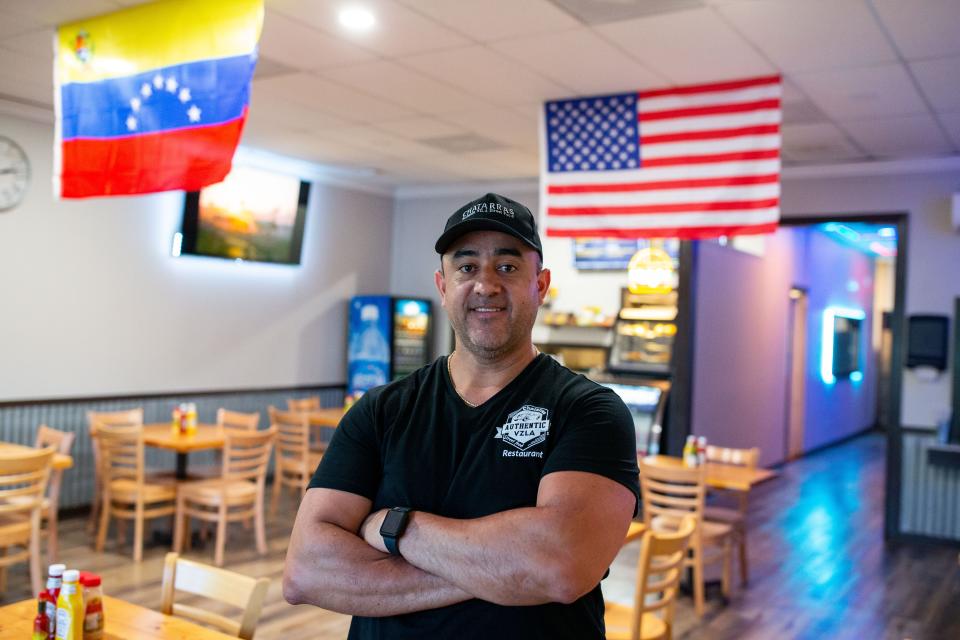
(526, 427)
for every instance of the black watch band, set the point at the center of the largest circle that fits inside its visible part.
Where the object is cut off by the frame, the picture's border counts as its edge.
(394, 524)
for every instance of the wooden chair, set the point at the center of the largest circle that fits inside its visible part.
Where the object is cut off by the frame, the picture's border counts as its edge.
(294, 463)
(126, 492)
(658, 576)
(671, 492)
(131, 417)
(62, 442)
(310, 403)
(236, 496)
(234, 589)
(23, 481)
(237, 421)
(735, 515)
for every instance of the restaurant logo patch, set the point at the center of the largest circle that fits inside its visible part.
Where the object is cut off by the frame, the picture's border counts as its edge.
(526, 427)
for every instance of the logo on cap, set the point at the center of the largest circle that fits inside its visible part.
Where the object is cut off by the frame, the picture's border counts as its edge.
(489, 207)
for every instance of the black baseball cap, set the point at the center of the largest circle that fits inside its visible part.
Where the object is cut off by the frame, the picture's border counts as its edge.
(491, 212)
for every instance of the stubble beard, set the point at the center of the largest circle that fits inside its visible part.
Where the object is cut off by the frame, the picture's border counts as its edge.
(518, 333)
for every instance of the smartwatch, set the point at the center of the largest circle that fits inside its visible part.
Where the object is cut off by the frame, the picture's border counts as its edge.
(393, 527)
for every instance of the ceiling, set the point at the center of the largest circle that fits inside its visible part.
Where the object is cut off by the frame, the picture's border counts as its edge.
(449, 91)
(877, 240)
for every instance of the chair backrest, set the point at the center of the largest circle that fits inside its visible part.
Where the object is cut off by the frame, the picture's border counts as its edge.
(121, 450)
(237, 590)
(247, 453)
(658, 572)
(238, 421)
(62, 441)
(131, 417)
(303, 404)
(748, 458)
(23, 476)
(671, 492)
(293, 435)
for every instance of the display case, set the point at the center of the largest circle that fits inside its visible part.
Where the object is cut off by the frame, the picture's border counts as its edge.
(644, 334)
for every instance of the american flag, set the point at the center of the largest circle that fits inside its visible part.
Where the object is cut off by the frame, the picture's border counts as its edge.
(688, 162)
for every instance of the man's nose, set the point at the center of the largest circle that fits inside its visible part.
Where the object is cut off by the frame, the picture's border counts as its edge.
(487, 284)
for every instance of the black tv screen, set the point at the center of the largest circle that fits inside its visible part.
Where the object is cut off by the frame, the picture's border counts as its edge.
(846, 346)
(252, 215)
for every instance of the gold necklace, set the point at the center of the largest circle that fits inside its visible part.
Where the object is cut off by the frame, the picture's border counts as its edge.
(454, 384)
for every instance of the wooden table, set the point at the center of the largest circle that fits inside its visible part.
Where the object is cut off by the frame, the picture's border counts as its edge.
(162, 436)
(725, 476)
(122, 621)
(60, 460)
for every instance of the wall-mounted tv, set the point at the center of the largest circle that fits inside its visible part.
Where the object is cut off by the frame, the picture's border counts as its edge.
(253, 215)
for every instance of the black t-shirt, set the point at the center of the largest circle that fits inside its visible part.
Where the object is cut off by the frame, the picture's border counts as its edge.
(415, 443)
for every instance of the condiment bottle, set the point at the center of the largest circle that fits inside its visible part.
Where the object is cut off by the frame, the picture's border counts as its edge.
(93, 606)
(690, 452)
(70, 608)
(50, 594)
(701, 450)
(41, 623)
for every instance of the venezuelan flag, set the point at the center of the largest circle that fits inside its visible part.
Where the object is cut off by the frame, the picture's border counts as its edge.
(154, 97)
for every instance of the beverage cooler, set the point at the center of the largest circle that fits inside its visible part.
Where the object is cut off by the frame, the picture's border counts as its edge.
(647, 401)
(388, 337)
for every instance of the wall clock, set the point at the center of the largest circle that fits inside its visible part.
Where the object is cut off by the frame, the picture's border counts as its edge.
(14, 174)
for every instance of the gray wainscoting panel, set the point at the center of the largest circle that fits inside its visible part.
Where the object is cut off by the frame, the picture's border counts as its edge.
(930, 494)
(18, 423)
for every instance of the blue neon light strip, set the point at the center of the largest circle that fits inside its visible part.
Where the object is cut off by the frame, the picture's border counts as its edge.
(830, 315)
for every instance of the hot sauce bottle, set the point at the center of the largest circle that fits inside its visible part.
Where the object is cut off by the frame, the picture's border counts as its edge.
(41, 623)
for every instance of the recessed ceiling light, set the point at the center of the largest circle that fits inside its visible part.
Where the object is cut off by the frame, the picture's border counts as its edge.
(887, 232)
(356, 18)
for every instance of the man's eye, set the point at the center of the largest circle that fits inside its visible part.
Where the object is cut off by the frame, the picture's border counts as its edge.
(507, 268)
(465, 268)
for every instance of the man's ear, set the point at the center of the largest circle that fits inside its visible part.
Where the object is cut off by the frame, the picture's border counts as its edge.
(441, 284)
(543, 283)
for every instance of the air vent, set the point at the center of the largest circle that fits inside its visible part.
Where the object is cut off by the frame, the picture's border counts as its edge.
(462, 143)
(604, 11)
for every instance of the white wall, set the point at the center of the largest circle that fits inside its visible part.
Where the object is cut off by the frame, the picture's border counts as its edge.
(92, 304)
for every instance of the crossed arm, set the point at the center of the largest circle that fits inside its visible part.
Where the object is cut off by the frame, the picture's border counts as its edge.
(553, 552)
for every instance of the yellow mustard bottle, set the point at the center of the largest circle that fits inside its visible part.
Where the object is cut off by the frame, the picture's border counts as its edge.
(70, 608)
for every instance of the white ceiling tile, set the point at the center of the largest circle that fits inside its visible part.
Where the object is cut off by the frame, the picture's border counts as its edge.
(420, 128)
(939, 80)
(822, 142)
(273, 108)
(902, 136)
(485, 73)
(329, 97)
(506, 126)
(405, 86)
(398, 29)
(298, 45)
(50, 13)
(922, 28)
(863, 92)
(488, 20)
(497, 165)
(952, 123)
(26, 76)
(812, 34)
(14, 24)
(37, 42)
(581, 60)
(688, 47)
(377, 140)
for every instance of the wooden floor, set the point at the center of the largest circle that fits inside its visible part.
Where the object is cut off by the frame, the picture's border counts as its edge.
(819, 566)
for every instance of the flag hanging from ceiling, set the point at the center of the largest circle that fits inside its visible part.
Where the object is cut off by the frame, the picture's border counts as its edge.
(689, 162)
(154, 97)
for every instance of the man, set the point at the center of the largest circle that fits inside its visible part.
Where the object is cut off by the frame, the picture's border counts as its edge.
(485, 495)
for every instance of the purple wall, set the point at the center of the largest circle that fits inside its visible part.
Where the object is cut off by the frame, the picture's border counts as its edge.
(837, 276)
(740, 350)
